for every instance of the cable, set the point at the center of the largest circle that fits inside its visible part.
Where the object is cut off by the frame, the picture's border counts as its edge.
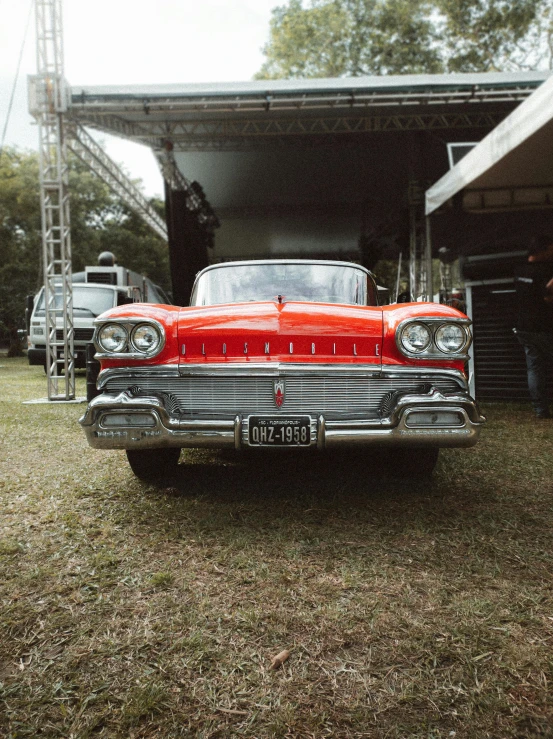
(16, 78)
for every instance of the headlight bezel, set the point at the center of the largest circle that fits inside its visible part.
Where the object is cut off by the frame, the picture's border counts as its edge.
(444, 326)
(130, 324)
(402, 337)
(133, 342)
(107, 325)
(433, 324)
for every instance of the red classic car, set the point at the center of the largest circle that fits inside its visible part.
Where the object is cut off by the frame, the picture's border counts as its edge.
(281, 353)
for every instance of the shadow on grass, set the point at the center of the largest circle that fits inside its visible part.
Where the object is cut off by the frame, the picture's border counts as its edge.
(213, 490)
(457, 523)
(285, 476)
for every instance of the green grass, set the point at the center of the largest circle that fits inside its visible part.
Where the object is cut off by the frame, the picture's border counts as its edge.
(412, 609)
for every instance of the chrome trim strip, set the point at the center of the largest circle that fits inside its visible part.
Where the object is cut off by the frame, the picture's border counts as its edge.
(238, 433)
(435, 352)
(260, 369)
(130, 323)
(272, 369)
(392, 372)
(164, 370)
(321, 431)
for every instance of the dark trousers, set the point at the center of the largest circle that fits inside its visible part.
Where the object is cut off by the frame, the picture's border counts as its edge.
(538, 346)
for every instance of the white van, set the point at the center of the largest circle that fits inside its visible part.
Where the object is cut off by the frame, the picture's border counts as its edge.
(95, 290)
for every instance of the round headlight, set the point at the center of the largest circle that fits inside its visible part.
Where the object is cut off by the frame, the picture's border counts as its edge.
(450, 338)
(112, 337)
(415, 337)
(146, 338)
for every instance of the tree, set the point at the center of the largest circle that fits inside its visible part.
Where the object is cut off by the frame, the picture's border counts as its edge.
(496, 35)
(99, 222)
(333, 38)
(19, 238)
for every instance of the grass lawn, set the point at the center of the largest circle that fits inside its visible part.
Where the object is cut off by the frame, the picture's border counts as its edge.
(411, 609)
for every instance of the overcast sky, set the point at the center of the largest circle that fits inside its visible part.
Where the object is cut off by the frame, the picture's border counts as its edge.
(133, 42)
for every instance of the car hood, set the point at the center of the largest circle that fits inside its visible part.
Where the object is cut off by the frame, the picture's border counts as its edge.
(271, 331)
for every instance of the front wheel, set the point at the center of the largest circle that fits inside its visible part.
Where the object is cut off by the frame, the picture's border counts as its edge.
(153, 464)
(415, 463)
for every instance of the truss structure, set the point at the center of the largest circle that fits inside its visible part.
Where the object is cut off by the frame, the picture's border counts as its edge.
(51, 103)
(170, 171)
(234, 116)
(195, 198)
(221, 133)
(84, 146)
(179, 103)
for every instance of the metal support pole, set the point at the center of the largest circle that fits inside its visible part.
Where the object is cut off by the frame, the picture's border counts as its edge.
(413, 287)
(428, 262)
(472, 376)
(420, 246)
(54, 201)
(398, 275)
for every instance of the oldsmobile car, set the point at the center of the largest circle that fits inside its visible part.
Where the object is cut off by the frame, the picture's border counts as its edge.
(287, 354)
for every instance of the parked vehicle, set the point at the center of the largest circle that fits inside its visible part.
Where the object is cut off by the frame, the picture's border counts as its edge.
(95, 290)
(282, 353)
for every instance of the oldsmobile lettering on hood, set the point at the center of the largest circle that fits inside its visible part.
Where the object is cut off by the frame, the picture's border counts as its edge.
(278, 331)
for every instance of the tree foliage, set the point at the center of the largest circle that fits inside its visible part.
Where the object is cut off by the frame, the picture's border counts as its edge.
(496, 35)
(99, 222)
(333, 38)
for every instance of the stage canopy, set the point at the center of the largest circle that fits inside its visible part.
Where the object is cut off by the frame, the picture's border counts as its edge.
(309, 167)
(510, 169)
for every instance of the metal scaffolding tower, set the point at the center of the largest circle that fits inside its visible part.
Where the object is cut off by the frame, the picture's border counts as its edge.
(51, 103)
(49, 100)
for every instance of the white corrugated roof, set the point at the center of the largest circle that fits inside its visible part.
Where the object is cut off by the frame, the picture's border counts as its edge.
(341, 84)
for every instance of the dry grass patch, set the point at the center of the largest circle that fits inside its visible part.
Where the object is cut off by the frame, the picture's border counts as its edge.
(410, 609)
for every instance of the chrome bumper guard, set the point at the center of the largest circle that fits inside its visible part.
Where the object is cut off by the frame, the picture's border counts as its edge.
(127, 421)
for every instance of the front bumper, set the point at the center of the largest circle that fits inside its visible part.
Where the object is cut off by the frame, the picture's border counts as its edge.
(112, 421)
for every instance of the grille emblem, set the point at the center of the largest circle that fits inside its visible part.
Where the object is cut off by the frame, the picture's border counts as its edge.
(279, 393)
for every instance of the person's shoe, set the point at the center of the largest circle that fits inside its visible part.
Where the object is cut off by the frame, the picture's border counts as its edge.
(543, 415)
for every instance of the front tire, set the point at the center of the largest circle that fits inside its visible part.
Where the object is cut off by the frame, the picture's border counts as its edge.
(153, 464)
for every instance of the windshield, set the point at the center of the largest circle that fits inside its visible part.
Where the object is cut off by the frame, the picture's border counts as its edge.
(87, 301)
(309, 283)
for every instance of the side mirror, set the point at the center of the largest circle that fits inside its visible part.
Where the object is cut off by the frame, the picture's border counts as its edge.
(124, 299)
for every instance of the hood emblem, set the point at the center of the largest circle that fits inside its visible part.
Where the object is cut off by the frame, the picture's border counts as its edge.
(279, 393)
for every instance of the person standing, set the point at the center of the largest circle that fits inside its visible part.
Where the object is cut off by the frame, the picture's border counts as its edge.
(534, 322)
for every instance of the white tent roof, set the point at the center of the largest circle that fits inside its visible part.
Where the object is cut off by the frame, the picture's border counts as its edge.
(511, 168)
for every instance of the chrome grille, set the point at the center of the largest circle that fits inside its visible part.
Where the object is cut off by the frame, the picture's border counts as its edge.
(303, 394)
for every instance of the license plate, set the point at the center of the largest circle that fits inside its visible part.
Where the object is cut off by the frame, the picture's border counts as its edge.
(270, 431)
